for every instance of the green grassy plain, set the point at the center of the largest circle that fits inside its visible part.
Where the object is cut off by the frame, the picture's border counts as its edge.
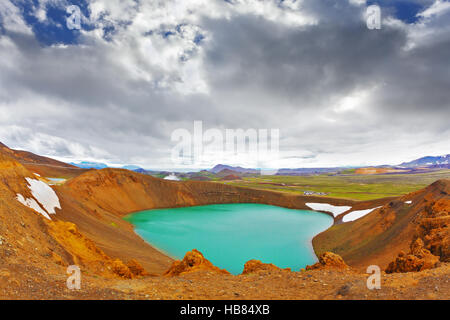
(351, 186)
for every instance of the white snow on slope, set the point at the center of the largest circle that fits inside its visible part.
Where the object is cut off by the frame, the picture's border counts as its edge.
(335, 210)
(44, 194)
(32, 204)
(355, 215)
(36, 174)
(408, 202)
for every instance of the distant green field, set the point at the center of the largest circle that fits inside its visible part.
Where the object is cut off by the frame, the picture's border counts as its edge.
(356, 187)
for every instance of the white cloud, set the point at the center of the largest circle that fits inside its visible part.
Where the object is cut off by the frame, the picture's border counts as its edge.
(438, 8)
(357, 2)
(12, 19)
(41, 15)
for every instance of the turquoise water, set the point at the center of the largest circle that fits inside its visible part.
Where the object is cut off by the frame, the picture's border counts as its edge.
(231, 234)
(56, 179)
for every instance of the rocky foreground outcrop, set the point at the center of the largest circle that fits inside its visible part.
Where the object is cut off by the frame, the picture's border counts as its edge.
(193, 261)
(329, 260)
(431, 243)
(434, 228)
(418, 259)
(254, 266)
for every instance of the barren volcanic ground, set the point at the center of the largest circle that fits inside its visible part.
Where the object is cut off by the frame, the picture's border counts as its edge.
(87, 229)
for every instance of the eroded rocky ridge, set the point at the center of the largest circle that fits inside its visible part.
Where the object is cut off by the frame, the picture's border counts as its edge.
(329, 260)
(255, 266)
(193, 261)
(431, 241)
(417, 259)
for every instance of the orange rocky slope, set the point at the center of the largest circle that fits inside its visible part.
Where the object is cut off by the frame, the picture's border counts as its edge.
(30, 239)
(378, 237)
(46, 167)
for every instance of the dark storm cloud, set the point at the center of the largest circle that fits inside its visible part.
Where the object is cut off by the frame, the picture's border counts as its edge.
(299, 64)
(311, 67)
(419, 81)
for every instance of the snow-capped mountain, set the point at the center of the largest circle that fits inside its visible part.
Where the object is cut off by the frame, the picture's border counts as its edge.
(428, 161)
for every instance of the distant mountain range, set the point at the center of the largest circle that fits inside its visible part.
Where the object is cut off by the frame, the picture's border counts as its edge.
(221, 170)
(428, 162)
(220, 167)
(89, 165)
(132, 167)
(439, 161)
(100, 165)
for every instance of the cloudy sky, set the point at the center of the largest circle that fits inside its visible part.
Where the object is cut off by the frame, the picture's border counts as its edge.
(115, 90)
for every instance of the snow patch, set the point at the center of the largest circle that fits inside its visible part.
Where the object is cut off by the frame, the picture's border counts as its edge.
(172, 177)
(36, 174)
(44, 194)
(408, 202)
(32, 204)
(355, 215)
(335, 210)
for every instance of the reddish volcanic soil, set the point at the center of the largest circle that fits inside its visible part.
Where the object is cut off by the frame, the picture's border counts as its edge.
(378, 170)
(46, 167)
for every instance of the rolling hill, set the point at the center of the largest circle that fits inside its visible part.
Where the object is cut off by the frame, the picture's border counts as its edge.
(220, 167)
(43, 166)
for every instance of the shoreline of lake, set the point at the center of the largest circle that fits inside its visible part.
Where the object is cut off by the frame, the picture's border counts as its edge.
(175, 231)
